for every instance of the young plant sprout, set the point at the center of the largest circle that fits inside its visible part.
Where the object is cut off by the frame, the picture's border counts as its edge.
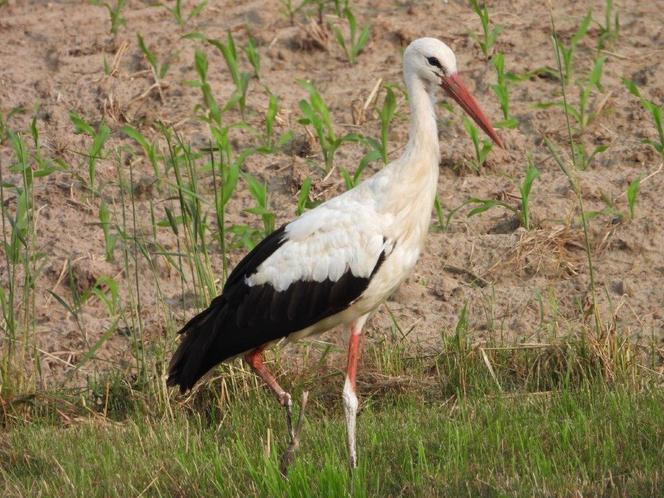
(158, 70)
(109, 238)
(502, 92)
(482, 146)
(356, 42)
(180, 17)
(610, 30)
(386, 114)
(316, 114)
(489, 35)
(115, 13)
(210, 105)
(149, 149)
(240, 78)
(631, 194)
(253, 56)
(304, 200)
(269, 143)
(290, 8)
(656, 111)
(99, 138)
(566, 52)
(258, 191)
(522, 211)
(378, 148)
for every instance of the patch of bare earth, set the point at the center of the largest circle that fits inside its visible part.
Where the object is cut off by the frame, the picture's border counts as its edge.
(517, 285)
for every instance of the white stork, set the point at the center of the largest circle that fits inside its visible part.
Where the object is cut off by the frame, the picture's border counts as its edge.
(336, 263)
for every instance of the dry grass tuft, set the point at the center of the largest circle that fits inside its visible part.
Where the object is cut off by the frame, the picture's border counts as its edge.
(554, 252)
(312, 36)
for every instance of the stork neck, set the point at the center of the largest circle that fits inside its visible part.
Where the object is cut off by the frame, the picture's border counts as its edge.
(423, 136)
(414, 176)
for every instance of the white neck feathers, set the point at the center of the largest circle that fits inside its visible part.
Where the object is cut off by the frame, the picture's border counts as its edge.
(414, 176)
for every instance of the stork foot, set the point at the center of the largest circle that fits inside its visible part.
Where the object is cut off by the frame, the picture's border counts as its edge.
(286, 401)
(289, 455)
(351, 404)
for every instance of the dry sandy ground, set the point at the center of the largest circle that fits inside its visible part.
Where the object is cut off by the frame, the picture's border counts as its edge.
(518, 286)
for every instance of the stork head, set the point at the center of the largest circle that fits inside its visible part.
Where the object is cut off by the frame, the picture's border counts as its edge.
(435, 64)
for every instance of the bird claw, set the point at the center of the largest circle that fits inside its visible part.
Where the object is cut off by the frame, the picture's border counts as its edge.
(287, 402)
(289, 455)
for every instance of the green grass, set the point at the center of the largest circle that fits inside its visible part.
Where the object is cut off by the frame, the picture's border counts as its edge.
(592, 441)
(496, 420)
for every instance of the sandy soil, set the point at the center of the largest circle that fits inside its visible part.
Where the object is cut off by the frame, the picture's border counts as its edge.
(518, 286)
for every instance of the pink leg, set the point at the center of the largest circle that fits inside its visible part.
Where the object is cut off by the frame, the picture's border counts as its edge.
(255, 360)
(351, 402)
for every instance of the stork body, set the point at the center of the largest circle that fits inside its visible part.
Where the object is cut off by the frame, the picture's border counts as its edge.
(336, 263)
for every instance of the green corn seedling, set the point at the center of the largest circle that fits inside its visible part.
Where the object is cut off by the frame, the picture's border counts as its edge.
(502, 92)
(304, 200)
(523, 210)
(583, 159)
(44, 166)
(289, 9)
(339, 7)
(240, 78)
(303, 196)
(655, 111)
(316, 114)
(210, 107)
(444, 220)
(631, 194)
(109, 238)
(269, 143)
(356, 42)
(180, 17)
(378, 149)
(99, 138)
(524, 189)
(610, 30)
(158, 70)
(149, 149)
(386, 115)
(253, 56)
(270, 115)
(582, 113)
(352, 180)
(115, 13)
(259, 192)
(488, 37)
(482, 146)
(566, 53)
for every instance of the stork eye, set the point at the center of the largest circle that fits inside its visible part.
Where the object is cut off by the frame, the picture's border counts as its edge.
(434, 62)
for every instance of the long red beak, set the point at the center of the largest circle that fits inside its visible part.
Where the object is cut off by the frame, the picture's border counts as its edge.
(457, 90)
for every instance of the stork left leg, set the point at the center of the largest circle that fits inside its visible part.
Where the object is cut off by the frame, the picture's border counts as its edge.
(255, 360)
(351, 402)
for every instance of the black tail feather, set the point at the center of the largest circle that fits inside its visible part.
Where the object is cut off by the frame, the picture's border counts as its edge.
(196, 353)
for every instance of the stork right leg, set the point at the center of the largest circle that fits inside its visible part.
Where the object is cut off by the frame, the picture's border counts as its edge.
(350, 400)
(255, 360)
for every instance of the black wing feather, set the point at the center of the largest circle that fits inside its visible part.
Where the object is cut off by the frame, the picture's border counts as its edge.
(245, 317)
